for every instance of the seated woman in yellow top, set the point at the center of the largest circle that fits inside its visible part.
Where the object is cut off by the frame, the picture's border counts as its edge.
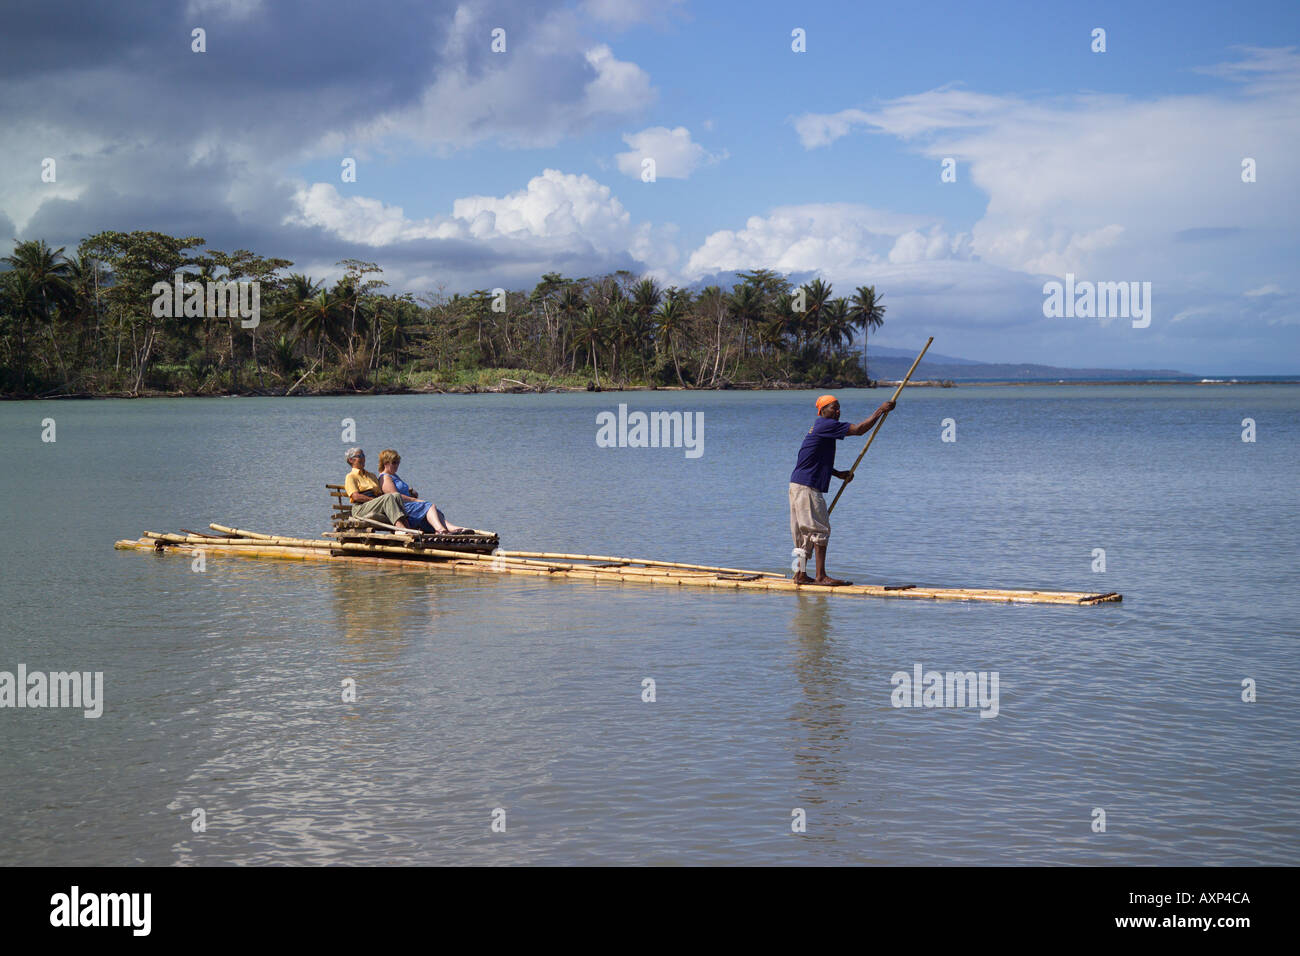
(367, 497)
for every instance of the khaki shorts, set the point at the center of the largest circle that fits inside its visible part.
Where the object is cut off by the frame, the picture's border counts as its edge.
(810, 524)
(388, 506)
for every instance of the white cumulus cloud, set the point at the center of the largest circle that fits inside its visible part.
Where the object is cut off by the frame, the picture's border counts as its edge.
(833, 239)
(1101, 184)
(534, 94)
(555, 214)
(675, 155)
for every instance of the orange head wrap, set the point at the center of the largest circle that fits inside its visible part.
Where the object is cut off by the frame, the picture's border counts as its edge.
(825, 400)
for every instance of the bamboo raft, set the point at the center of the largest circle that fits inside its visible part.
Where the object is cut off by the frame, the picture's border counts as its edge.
(478, 554)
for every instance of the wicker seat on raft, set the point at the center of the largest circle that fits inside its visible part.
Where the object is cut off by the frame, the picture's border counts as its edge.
(349, 528)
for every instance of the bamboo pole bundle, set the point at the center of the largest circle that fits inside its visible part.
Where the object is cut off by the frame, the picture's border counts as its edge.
(483, 563)
(254, 544)
(493, 560)
(498, 560)
(523, 555)
(265, 540)
(651, 564)
(268, 546)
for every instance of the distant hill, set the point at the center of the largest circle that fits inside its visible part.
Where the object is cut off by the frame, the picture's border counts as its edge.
(891, 363)
(883, 351)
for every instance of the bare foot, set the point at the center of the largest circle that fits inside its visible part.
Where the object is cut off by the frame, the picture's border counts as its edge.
(829, 582)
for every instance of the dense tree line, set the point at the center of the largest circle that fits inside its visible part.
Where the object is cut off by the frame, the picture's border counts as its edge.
(87, 323)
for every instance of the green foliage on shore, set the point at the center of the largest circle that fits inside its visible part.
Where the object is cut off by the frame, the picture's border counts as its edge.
(86, 323)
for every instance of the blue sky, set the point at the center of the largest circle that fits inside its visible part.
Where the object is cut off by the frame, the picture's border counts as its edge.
(479, 169)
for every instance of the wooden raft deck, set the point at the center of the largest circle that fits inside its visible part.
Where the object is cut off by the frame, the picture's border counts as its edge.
(431, 555)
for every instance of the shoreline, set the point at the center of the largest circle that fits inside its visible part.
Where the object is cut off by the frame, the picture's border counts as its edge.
(515, 389)
(1158, 381)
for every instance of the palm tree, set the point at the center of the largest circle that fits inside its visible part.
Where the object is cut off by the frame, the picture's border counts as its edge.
(779, 322)
(866, 314)
(282, 353)
(620, 317)
(835, 327)
(395, 324)
(745, 304)
(816, 294)
(570, 306)
(296, 310)
(478, 313)
(589, 333)
(646, 297)
(299, 288)
(671, 325)
(46, 267)
(18, 296)
(322, 319)
(85, 276)
(639, 332)
(45, 275)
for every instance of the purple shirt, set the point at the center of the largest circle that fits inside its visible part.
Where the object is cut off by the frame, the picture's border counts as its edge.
(817, 453)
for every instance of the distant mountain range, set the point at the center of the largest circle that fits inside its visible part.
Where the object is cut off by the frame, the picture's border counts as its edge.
(891, 363)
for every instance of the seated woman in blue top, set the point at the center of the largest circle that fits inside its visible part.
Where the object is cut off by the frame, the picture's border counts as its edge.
(420, 513)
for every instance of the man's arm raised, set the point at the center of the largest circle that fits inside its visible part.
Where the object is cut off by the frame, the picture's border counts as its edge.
(864, 426)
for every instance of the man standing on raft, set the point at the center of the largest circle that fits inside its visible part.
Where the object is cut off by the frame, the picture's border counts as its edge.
(810, 522)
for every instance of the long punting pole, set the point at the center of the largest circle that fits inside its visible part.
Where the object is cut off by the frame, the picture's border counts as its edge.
(898, 391)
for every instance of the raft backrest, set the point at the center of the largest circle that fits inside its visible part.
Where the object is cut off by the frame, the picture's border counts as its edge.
(341, 508)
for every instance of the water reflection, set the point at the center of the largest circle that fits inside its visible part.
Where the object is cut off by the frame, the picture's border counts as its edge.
(821, 712)
(379, 609)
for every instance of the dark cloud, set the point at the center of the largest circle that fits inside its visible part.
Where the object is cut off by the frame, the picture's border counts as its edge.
(7, 234)
(272, 84)
(149, 135)
(387, 50)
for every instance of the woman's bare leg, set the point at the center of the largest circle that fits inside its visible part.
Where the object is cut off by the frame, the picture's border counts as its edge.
(439, 522)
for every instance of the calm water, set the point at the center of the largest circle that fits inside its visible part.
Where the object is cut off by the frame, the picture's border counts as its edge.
(223, 688)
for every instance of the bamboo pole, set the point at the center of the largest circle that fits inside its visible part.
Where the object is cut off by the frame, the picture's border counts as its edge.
(248, 541)
(652, 564)
(875, 431)
(524, 554)
(499, 562)
(489, 559)
(243, 534)
(396, 529)
(267, 544)
(261, 541)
